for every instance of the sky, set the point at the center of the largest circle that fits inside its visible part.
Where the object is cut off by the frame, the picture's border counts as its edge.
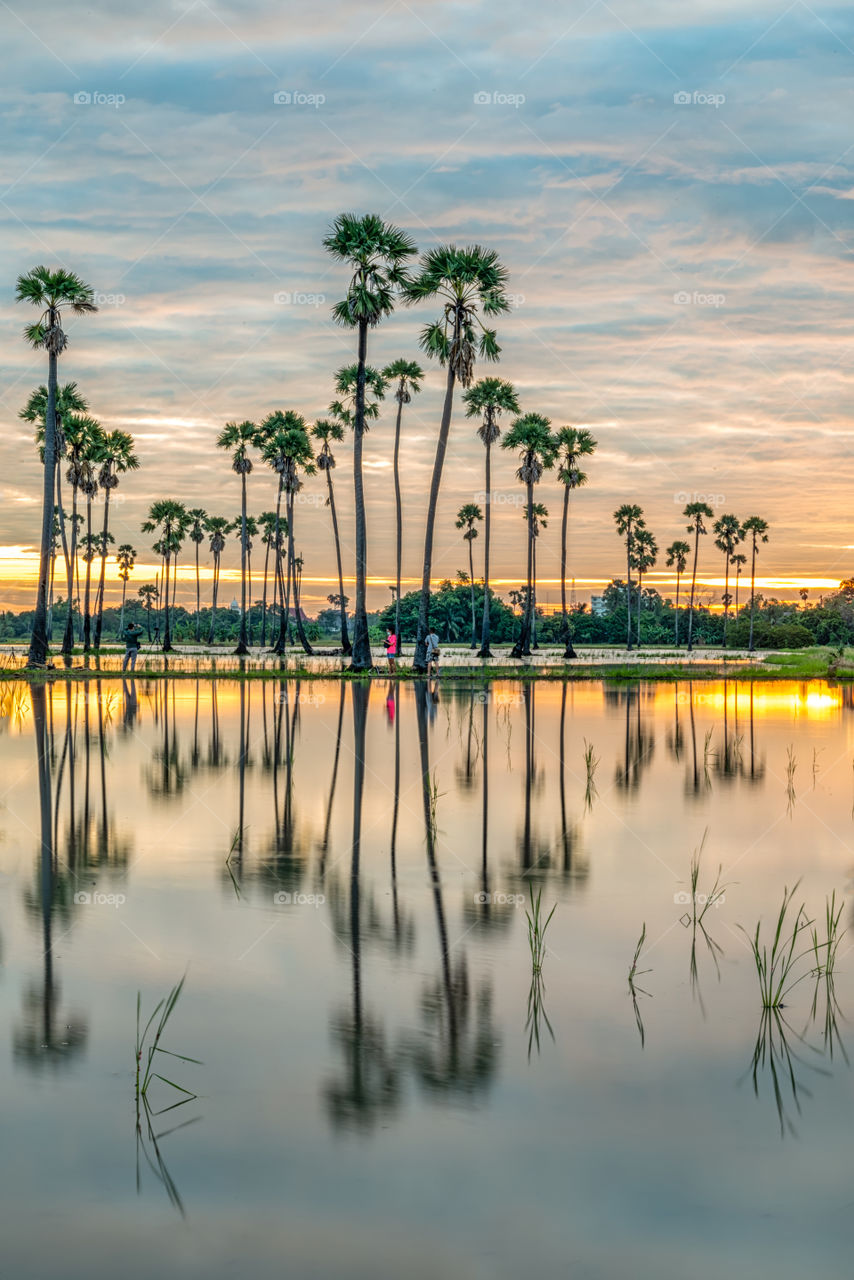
(670, 187)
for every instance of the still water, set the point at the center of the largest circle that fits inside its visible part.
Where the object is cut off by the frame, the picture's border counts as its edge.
(382, 1086)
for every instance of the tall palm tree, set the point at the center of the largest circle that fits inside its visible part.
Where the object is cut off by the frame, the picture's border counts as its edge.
(487, 400)
(574, 444)
(79, 432)
(327, 432)
(89, 489)
(115, 453)
(695, 512)
(286, 447)
(466, 282)
(530, 436)
(408, 375)
(69, 401)
(167, 518)
(756, 529)
(539, 520)
(377, 253)
(629, 518)
(54, 293)
(238, 438)
(267, 521)
(198, 530)
(677, 557)
(467, 518)
(148, 595)
(644, 556)
(729, 535)
(125, 559)
(218, 529)
(739, 560)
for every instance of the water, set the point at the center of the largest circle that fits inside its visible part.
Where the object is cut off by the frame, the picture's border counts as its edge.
(374, 1098)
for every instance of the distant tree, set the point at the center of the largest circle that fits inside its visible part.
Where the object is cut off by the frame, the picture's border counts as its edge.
(756, 530)
(729, 535)
(695, 513)
(644, 556)
(628, 519)
(530, 436)
(125, 558)
(408, 376)
(467, 517)
(677, 557)
(574, 444)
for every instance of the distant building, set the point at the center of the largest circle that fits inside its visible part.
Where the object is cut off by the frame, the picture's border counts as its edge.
(234, 607)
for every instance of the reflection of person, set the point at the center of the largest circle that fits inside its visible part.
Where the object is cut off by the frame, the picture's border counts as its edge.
(390, 703)
(131, 636)
(131, 705)
(433, 654)
(391, 651)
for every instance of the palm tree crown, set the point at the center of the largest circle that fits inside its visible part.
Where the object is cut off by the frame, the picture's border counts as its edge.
(377, 251)
(466, 281)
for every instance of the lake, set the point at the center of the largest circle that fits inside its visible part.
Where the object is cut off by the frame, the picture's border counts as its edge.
(380, 1085)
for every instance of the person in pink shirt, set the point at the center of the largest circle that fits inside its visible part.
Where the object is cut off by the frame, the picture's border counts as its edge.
(391, 651)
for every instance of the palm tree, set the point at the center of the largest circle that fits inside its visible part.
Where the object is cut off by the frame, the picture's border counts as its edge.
(729, 534)
(465, 282)
(125, 559)
(530, 436)
(286, 447)
(407, 374)
(377, 253)
(487, 400)
(695, 512)
(198, 529)
(756, 529)
(238, 437)
(574, 444)
(79, 432)
(217, 527)
(628, 519)
(116, 456)
(644, 556)
(167, 518)
(677, 556)
(739, 560)
(467, 518)
(267, 521)
(69, 401)
(327, 431)
(89, 488)
(148, 595)
(539, 520)
(251, 532)
(54, 293)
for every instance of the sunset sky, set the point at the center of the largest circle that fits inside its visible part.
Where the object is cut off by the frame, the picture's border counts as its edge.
(669, 185)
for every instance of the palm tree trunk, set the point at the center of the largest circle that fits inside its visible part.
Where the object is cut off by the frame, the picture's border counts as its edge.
(628, 589)
(752, 591)
(264, 594)
(523, 646)
(569, 651)
(286, 587)
(420, 662)
(249, 596)
(693, 584)
(726, 593)
(214, 594)
(640, 602)
(361, 659)
(99, 596)
(303, 638)
(122, 615)
(167, 634)
(676, 611)
(278, 583)
(38, 649)
(346, 647)
(484, 627)
(471, 585)
(87, 621)
(242, 647)
(68, 637)
(534, 644)
(198, 598)
(399, 514)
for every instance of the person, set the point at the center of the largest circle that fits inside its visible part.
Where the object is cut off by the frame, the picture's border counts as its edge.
(131, 636)
(432, 654)
(391, 651)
